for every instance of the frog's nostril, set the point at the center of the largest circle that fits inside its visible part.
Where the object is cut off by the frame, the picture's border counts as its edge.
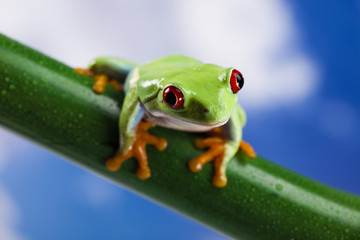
(206, 110)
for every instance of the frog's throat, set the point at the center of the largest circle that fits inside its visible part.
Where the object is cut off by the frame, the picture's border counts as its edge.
(166, 120)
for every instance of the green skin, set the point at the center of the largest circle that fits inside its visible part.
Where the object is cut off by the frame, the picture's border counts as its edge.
(208, 99)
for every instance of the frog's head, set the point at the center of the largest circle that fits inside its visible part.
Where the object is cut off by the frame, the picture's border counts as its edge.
(184, 93)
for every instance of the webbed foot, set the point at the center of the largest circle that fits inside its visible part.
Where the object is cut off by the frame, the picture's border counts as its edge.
(218, 152)
(137, 150)
(100, 80)
(215, 153)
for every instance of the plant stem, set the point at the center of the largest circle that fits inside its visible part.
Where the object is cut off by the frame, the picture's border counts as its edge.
(47, 102)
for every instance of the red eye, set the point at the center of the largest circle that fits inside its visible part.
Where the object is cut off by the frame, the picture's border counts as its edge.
(173, 97)
(236, 81)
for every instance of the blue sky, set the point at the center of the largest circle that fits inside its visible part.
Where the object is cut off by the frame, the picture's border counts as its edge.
(301, 61)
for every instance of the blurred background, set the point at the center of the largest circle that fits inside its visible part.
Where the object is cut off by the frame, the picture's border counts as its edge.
(301, 62)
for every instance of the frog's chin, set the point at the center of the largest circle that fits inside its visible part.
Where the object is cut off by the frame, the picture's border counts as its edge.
(165, 120)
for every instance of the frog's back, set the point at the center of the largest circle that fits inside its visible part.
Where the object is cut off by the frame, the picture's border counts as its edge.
(149, 75)
(168, 66)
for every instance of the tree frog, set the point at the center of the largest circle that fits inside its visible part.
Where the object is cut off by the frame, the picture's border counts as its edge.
(177, 92)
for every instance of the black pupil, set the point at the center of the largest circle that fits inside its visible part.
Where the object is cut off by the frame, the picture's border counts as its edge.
(170, 98)
(239, 80)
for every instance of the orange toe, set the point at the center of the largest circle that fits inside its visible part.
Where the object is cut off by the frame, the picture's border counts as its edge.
(114, 163)
(84, 71)
(247, 149)
(138, 151)
(215, 153)
(195, 165)
(143, 173)
(100, 83)
(219, 180)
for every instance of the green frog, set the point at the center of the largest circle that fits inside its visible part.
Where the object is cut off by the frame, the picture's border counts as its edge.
(177, 92)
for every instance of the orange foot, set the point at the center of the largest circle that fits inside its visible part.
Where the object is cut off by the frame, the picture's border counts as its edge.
(247, 149)
(100, 80)
(216, 144)
(137, 150)
(215, 153)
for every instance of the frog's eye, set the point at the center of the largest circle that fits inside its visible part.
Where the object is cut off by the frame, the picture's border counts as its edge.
(173, 97)
(236, 81)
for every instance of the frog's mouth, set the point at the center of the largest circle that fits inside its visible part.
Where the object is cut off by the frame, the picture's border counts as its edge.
(166, 120)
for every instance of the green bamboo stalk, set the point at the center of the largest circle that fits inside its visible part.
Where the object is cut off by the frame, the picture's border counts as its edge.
(47, 102)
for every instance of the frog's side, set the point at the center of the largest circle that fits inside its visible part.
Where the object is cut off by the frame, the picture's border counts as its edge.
(182, 93)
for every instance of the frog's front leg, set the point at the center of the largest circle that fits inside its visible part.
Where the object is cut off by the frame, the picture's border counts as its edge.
(223, 144)
(137, 150)
(134, 136)
(220, 151)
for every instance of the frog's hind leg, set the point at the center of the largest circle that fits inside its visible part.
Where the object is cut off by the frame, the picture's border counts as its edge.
(100, 80)
(108, 70)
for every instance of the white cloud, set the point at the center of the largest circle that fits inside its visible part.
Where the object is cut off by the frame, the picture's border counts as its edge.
(257, 37)
(260, 38)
